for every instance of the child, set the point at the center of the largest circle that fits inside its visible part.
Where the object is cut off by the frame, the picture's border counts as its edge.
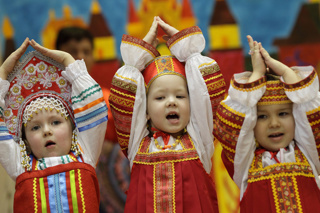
(59, 146)
(163, 108)
(269, 132)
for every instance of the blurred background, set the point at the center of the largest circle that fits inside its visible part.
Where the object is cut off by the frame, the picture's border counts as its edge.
(289, 30)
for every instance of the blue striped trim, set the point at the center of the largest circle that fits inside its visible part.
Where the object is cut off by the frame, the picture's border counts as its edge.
(3, 129)
(63, 192)
(81, 129)
(5, 137)
(92, 114)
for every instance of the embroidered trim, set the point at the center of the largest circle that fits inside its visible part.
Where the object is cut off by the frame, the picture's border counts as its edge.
(123, 111)
(86, 96)
(141, 44)
(173, 188)
(35, 195)
(301, 84)
(228, 122)
(214, 77)
(232, 110)
(274, 192)
(81, 191)
(166, 156)
(121, 93)
(248, 87)
(154, 189)
(123, 77)
(183, 34)
(218, 93)
(295, 185)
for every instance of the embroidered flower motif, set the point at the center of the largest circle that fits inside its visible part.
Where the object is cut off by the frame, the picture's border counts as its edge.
(15, 89)
(12, 124)
(46, 80)
(31, 69)
(42, 67)
(19, 99)
(52, 69)
(61, 81)
(7, 113)
(33, 79)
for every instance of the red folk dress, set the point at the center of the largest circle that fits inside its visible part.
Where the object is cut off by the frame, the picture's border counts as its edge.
(176, 179)
(286, 181)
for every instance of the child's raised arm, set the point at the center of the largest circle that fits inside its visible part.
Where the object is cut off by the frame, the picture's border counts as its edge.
(60, 56)
(259, 68)
(12, 60)
(151, 37)
(289, 76)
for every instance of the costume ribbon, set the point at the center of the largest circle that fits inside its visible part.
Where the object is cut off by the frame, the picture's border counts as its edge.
(157, 133)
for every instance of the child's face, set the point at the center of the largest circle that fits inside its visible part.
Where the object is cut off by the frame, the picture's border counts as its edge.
(168, 104)
(49, 134)
(275, 126)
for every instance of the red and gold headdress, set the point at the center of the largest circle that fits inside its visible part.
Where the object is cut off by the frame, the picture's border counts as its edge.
(162, 65)
(37, 76)
(274, 94)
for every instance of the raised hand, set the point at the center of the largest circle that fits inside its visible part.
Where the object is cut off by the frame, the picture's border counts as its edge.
(60, 56)
(258, 64)
(169, 30)
(151, 37)
(8, 65)
(289, 76)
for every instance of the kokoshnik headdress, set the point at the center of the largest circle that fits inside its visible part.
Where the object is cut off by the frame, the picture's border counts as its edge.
(36, 83)
(274, 94)
(162, 65)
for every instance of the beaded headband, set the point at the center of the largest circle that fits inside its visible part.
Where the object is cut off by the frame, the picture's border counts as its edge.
(274, 94)
(45, 103)
(34, 78)
(162, 65)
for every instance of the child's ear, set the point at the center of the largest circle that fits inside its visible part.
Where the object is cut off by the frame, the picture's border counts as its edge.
(148, 116)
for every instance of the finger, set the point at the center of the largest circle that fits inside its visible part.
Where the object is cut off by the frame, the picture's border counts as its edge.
(165, 37)
(264, 53)
(250, 41)
(38, 47)
(21, 50)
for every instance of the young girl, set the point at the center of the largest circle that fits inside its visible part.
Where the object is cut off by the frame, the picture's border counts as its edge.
(163, 108)
(47, 147)
(269, 131)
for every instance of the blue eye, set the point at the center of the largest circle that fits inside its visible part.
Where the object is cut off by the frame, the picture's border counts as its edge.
(56, 122)
(34, 128)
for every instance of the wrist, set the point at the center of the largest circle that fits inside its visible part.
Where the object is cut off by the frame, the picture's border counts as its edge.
(290, 77)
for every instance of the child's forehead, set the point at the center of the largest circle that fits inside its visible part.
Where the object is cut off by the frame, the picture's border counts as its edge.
(274, 107)
(168, 81)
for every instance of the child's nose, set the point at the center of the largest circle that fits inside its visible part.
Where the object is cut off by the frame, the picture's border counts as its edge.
(171, 101)
(47, 131)
(274, 122)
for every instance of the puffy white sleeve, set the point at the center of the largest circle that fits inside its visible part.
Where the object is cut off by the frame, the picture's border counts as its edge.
(128, 96)
(306, 111)
(10, 157)
(90, 111)
(206, 89)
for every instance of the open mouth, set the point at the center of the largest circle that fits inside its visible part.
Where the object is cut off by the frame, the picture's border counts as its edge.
(172, 116)
(275, 135)
(50, 143)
